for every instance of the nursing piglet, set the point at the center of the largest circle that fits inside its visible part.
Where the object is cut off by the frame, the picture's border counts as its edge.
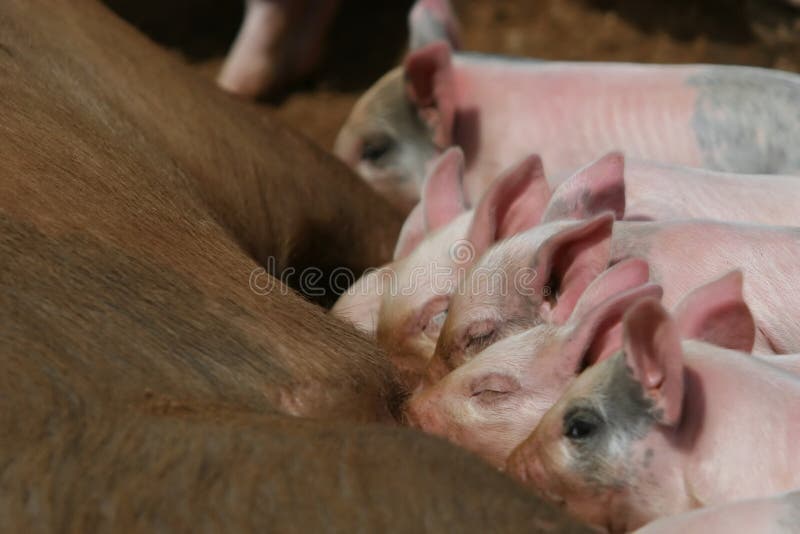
(488, 404)
(664, 427)
(779, 514)
(492, 403)
(405, 302)
(727, 118)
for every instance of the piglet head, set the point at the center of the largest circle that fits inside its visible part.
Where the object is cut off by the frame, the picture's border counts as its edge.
(533, 277)
(587, 450)
(594, 189)
(514, 202)
(403, 303)
(492, 402)
(402, 123)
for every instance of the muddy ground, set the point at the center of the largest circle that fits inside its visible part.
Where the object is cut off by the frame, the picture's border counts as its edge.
(368, 38)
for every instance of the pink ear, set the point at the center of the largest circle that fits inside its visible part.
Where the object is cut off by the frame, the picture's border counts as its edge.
(443, 193)
(442, 201)
(598, 332)
(598, 187)
(653, 352)
(571, 259)
(512, 204)
(430, 87)
(625, 275)
(432, 20)
(411, 234)
(717, 313)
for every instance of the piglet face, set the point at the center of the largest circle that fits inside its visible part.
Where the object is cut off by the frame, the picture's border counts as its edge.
(416, 296)
(582, 454)
(404, 304)
(490, 404)
(594, 450)
(494, 301)
(401, 124)
(531, 278)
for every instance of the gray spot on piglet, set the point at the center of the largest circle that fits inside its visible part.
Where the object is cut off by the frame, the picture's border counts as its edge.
(791, 519)
(747, 119)
(604, 460)
(629, 411)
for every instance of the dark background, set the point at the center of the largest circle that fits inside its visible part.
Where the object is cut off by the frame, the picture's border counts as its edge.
(368, 38)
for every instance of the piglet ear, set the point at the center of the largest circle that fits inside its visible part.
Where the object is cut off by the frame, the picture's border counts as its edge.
(717, 313)
(513, 203)
(443, 192)
(569, 261)
(597, 332)
(442, 201)
(432, 20)
(653, 352)
(411, 234)
(598, 187)
(627, 274)
(431, 89)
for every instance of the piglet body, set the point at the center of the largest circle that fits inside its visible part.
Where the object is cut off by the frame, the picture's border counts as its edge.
(645, 190)
(704, 194)
(685, 254)
(779, 514)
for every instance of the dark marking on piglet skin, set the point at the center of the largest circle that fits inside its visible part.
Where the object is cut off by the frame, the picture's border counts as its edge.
(629, 414)
(791, 520)
(748, 119)
(629, 410)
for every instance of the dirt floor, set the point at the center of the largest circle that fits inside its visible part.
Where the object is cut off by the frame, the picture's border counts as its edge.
(368, 38)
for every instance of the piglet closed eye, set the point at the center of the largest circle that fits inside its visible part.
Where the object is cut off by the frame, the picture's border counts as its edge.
(493, 401)
(534, 277)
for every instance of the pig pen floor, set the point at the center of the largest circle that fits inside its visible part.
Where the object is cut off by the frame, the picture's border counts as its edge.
(368, 38)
